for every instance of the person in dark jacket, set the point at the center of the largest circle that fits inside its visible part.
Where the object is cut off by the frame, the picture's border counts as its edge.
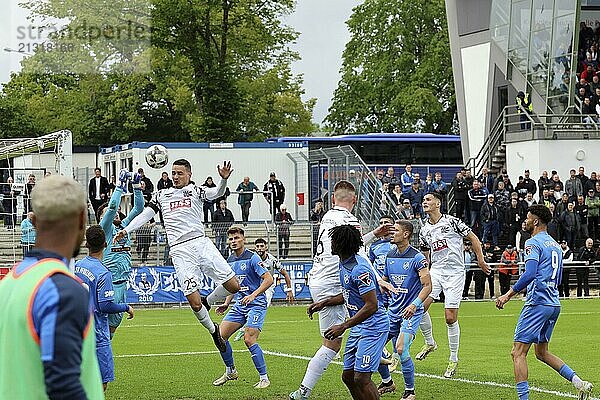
(283, 220)
(277, 195)
(554, 224)
(514, 218)
(490, 217)
(563, 288)
(245, 198)
(98, 189)
(9, 202)
(486, 180)
(460, 188)
(477, 197)
(587, 254)
(529, 183)
(581, 210)
(164, 182)
(222, 220)
(545, 182)
(569, 224)
(316, 215)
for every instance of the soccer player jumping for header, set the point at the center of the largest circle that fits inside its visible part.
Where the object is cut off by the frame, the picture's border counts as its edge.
(194, 255)
(543, 271)
(441, 239)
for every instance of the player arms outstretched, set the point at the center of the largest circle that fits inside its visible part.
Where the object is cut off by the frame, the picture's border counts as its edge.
(194, 255)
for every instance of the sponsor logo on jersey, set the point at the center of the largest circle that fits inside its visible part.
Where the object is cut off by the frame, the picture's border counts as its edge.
(241, 279)
(109, 293)
(398, 280)
(243, 266)
(187, 193)
(528, 250)
(365, 278)
(184, 203)
(439, 245)
(445, 229)
(406, 265)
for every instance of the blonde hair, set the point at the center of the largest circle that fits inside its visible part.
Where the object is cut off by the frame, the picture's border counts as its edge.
(57, 197)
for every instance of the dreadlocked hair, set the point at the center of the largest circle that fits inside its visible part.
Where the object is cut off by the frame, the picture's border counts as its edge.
(345, 240)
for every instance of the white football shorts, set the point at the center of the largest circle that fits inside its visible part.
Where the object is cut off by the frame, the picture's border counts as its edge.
(452, 286)
(328, 316)
(194, 259)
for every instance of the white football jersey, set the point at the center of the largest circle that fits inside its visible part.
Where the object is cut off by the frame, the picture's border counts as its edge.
(182, 210)
(325, 272)
(272, 263)
(444, 240)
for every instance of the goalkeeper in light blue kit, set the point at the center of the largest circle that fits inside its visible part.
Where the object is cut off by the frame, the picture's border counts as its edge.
(407, 269)
(543, 271)
(117, 256)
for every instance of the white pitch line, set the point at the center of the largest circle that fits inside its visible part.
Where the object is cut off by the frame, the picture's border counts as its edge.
(305, 358)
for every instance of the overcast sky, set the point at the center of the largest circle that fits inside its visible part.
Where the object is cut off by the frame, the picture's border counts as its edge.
(321, 43)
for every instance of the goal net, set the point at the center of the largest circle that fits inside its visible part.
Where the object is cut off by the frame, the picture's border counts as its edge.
(23, 162)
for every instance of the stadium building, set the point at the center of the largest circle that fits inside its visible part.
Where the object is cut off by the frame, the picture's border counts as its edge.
(538, 47)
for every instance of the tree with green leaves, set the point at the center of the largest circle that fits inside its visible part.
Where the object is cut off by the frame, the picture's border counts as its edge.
(214, 70)
(397, 70)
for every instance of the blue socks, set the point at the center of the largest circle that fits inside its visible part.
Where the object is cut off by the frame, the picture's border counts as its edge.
(384, 371)
(227, 356)
(523, 390)
(408, 371)
(258, 358)
(566, 372)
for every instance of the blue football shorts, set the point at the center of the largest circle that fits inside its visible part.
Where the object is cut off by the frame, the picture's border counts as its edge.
(363, 349)
(106, 363)
(120, 297)
(536, 324)
(252, 317)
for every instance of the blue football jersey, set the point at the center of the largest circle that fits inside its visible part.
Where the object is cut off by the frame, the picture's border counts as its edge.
(543, 290)
(377, 253)
(402, 271)
(98, 279)
(357, 278)
(249, 269)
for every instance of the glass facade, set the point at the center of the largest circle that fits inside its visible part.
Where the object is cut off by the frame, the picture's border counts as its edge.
(538, 39)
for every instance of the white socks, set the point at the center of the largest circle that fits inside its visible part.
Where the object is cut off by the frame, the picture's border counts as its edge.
(427, 329)
(454, 340)
(577, 382)
(205, 320)
(218, 295)
(316, 368)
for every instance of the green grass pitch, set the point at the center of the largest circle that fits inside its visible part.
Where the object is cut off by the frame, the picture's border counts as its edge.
(166, 354)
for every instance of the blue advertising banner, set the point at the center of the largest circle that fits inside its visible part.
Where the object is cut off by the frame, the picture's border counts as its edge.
(160, 284)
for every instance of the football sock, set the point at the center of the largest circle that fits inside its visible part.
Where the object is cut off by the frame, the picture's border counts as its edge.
(227, 357)
(205, 320)
(264, 377)
(218, 295)
(384, 371)
(566, 372)
(523, 390)
(316, 368)
(454, 340)
(427, 329)
(258, 358)
(408, 371)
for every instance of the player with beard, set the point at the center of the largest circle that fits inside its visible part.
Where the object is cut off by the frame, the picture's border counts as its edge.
(194, 255)
(543, 271)
(47, 348)
(117, 254)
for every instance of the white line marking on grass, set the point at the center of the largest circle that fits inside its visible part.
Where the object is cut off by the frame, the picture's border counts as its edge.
(438, 377)
(197, 324)
(305, 358)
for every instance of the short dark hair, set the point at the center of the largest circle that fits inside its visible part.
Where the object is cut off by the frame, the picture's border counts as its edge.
(542, 212)
(184, 163)
(100, 210)
(260, 240)
(437, 196)
(95, 238)
(345, 240)
(406, 225)
(95, 169)
(236, 229)
(386, 216)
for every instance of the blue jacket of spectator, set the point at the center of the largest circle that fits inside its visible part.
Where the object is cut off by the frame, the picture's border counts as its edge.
(27, 232)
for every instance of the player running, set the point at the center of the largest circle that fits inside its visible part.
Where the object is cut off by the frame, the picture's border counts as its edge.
(543, 271)
(368, 323)
(441, 239)
(407, 269)
(117, 254)
(194, 255)
(98, 279)
(325, 286)
(250, 308)
(273, 265)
